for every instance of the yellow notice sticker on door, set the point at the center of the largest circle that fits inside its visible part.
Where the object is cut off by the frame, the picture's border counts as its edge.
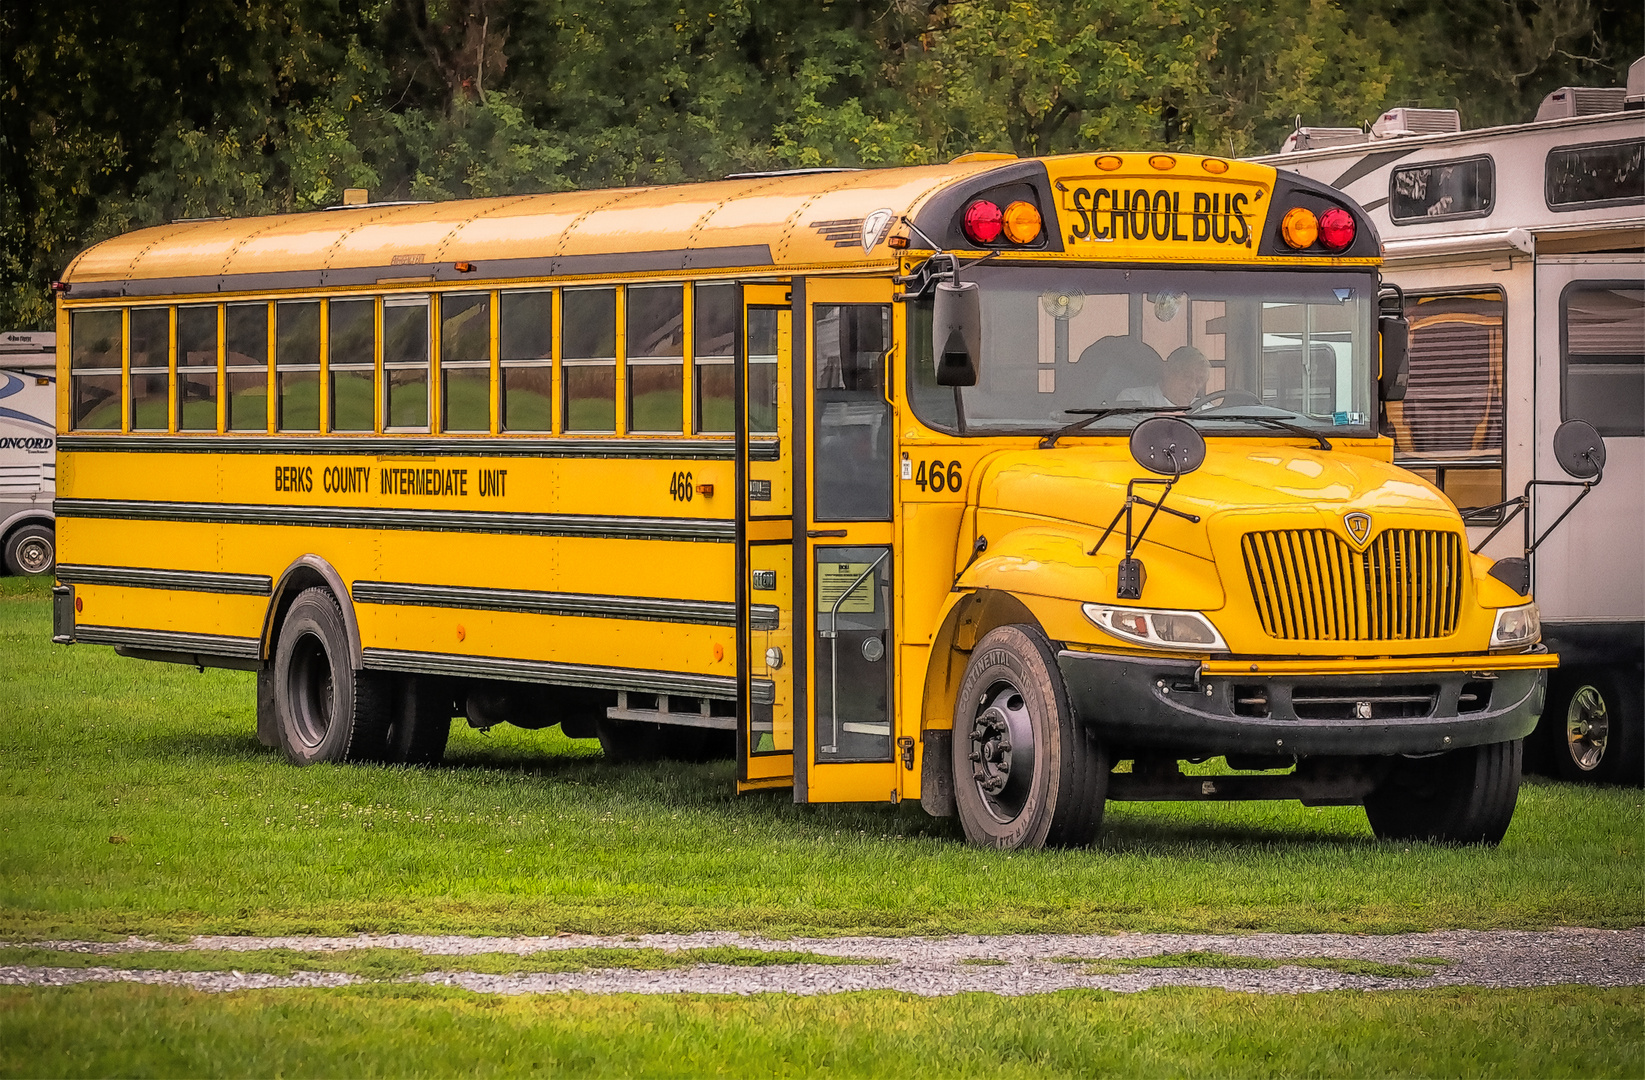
(834, 578)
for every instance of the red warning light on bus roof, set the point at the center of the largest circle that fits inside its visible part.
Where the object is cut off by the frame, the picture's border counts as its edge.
(1336, 229)
(983, 221)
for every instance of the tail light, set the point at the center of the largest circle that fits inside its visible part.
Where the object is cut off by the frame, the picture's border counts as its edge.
(1336, 229)
(1022, 222)
(983, 222)
(1299, 227)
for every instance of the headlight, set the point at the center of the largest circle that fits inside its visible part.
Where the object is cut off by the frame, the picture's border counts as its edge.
(1516, 626)
(1165, 629)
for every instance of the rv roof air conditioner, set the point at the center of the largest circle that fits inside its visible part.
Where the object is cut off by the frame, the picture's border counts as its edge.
(1569, 101)
(1416, 122)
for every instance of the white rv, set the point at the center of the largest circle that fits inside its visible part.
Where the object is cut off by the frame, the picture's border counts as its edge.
(28, 451)
(1521, 254)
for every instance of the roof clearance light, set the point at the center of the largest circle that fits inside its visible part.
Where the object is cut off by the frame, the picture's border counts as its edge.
(1022, 222)
(1109, 162)
(1163, 162)
(1336, 228)
(983, 222)
(1299, 227)
(1213, 165)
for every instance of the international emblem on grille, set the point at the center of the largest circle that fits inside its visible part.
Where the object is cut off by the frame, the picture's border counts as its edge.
(1358, 523)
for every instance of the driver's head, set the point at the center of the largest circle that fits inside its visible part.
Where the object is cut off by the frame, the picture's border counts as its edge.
(1186, 373)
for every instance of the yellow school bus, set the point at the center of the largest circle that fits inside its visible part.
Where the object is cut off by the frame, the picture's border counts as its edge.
(1004, 485)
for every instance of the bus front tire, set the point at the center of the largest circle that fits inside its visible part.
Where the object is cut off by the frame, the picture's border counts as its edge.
(1595, 726)
(326, 710)
(31, 550)
(1463, 796)
(1026, 773)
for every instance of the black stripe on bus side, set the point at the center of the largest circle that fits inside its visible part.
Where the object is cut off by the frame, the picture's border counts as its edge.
(723, 257)
(173, 641)
(639, 449)
(395, 518)
(135, 577)
(644, 608)
(679, 683)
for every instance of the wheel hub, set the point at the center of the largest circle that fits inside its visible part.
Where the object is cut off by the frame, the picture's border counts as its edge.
(1587, 728)
(1002, 751)
(34, 556)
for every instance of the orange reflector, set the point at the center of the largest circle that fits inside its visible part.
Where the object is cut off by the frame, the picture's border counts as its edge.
(898, 242)
(1163, 162)
(1214, 165)
(1299, 227)
(464, 267)
(1022, 222)
(1108, 163)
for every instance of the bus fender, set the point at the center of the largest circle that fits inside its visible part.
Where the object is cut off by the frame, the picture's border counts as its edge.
(306, 573)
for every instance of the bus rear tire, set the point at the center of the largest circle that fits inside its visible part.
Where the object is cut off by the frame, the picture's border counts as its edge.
(420, 724)
(1012, 700)
(31, 550)
(1595, 726)
(1463, 796)
(325, 710)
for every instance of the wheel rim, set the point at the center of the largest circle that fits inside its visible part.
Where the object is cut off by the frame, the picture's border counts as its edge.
(1587, 728)
(311, 690)
(1002, 751)
(34, 556)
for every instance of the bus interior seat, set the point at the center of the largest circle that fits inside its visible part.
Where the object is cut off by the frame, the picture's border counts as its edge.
(1109, 366)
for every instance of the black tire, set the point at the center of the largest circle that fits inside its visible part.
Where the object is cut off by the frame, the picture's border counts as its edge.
(1013, 692)
(1462, 797)
(1595, 727)
(638, 740)
(420, 722)
(31, 550)
(326, 710)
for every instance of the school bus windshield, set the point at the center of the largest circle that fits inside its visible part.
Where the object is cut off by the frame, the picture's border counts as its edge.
(1292, 346)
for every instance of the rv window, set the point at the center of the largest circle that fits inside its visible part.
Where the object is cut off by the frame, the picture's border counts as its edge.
(1449, 427)
(1440, 190)
(1604, 174)
(1602, 356)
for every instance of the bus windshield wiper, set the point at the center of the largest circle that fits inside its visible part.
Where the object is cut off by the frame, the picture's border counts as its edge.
(1267, 421)
(1091, 416)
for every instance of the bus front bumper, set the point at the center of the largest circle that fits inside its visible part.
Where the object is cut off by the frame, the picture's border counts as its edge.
(1205, 708)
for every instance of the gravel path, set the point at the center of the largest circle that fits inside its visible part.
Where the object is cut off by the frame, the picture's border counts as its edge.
(1018, 964)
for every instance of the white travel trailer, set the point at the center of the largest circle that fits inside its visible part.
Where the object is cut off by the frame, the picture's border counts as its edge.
(1521, 254)
(28, 451)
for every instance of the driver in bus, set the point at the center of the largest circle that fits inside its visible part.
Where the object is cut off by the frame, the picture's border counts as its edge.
(1182, 380)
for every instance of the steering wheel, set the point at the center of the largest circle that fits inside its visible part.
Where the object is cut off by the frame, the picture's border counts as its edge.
(1229, 396)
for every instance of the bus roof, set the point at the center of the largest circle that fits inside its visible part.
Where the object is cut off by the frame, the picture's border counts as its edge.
(793, 222)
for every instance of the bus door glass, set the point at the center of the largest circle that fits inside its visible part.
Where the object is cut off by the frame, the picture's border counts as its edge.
(766, 739)
(850, 742)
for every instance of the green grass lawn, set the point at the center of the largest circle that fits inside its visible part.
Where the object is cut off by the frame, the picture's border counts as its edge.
(137, 800)
(421, 1031)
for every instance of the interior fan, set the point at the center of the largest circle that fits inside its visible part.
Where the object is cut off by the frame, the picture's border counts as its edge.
(1062, 305)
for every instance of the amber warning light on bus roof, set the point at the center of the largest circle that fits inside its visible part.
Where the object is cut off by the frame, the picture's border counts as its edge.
(1334, 229)
(984, 222)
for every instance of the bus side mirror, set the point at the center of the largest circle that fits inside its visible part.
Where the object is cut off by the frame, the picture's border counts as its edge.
(956, 332)
(1396, 357)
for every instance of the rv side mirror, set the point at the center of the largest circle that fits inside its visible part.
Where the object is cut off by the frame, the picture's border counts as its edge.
(956, 332)
(1396, 357)
(1579, 449)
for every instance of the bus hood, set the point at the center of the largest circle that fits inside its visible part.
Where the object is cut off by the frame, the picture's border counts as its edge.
(1244, 483)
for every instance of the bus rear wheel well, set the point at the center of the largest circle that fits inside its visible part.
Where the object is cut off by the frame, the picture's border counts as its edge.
(309, 572)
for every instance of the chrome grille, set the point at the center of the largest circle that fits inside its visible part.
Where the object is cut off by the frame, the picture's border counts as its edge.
(1309, 585)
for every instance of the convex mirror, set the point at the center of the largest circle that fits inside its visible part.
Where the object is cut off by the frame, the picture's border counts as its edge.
(1579, 449)
(1396, 357)
(956, 332)
(1168, 446)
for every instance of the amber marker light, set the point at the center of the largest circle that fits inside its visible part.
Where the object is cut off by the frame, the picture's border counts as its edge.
(464, 267)
(1162, 162)
(1299, 227)
(1216, 166)
(1022, 222)
(1109, 162)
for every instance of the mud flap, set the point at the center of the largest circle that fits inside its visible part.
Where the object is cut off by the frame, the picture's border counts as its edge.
(937, 774)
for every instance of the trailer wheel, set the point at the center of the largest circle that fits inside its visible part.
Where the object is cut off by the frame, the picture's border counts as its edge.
(326, 710)
(1461, 797)
(1027, 774)
(31, 550)
(1597, 730)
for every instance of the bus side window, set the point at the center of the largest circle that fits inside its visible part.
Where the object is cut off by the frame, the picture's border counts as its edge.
(297, 365)
(95, 340)
(656, 358)
(714, 313)
(197, 368)
(465, 362)
(246, 348)
(525, 346)
(852, 460)
(588, 355)
(352, 344)
(405, 364)
(150, 351)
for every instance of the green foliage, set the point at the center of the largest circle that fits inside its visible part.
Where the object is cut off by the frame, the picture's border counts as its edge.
(122, 115)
